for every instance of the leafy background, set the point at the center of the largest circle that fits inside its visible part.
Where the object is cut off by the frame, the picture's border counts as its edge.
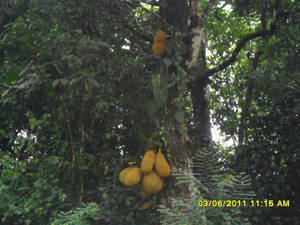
(79, 102)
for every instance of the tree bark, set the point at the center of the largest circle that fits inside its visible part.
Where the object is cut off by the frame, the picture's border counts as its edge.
(201, 128)
(176, 129)
(245, 108)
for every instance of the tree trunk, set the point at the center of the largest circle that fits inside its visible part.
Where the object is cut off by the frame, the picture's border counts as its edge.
(192, 28)
(177, 143)
(201, 129)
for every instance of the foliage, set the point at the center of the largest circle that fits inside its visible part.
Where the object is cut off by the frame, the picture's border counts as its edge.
(30, 189)
(260, 91)
(211, 186)
(123, 205)
(85, 215)
(58, 138)
(81, 93)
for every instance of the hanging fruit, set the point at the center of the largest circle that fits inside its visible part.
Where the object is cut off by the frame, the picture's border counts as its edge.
(148, 161)
(161, 165)
(123, 174)
(131, 176)
(160, 36)
(154, 167)
(159, 39)
(152, 182)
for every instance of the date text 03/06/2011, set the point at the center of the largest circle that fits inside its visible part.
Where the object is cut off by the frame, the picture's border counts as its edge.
(244, 203)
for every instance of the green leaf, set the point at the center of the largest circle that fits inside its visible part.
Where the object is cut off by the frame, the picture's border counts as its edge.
(12, 76)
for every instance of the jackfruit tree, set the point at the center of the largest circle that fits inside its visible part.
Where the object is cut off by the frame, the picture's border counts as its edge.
(184, 69)
(106, 110)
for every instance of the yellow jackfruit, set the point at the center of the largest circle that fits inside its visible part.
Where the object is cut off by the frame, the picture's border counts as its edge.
(159, 39)
(123, 174)
(144, 193)
(133, 176)
(158, 48)
(148, 161)
(161, 165)
(160, 36)
(152, 182)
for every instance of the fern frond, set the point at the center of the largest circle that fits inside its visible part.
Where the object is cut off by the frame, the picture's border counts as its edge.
(212, 182)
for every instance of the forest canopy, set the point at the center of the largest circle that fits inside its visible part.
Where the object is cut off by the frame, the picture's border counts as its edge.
(89, 88)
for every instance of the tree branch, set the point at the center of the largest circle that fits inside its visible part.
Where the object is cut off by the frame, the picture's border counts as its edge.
(236, 51)
(263, 33)
(231, 59)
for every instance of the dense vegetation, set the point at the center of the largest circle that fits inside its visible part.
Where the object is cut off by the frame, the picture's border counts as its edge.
(82, 94)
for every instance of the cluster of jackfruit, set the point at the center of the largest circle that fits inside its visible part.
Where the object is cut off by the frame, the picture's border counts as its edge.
(154, 168)
(158, 46)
